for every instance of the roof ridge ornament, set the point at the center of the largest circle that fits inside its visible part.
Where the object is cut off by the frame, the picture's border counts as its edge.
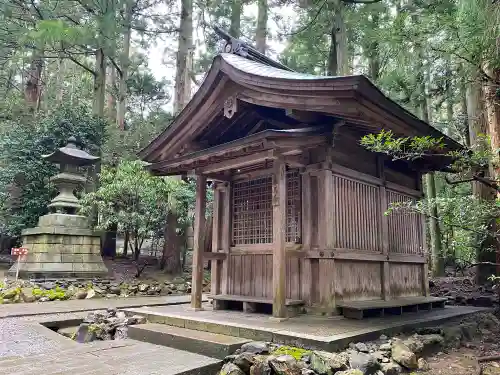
(239, 47)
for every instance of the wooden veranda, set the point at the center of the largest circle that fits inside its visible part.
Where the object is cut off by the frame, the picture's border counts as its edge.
(298, 203)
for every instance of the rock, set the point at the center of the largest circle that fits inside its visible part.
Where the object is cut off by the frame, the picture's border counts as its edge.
(391, 368)
(111, 311)
(385, 347)
(350, 372)
(403, 355)
(10, 293)
(231, 369)
(90, 294)
(229, 358)
(383, 337)
(121, 333)
(324, 363)
(414, 344)
(428, 330)
(385, 360)
(137, 319)
(484, 301)
(98, 290)
(115, 290)
(260, 368)
(469, 330)
(255, 347)
(68, 331)
(42, 299)
(109, 295)
(244, 361)
(491, 370)
(81, 294)
(366, 363)
(431, 340)
(285, 365)
(306, 371)
(361, 347)
(85, 333)
(423, 365)
(27, 295)
(452, 335)
(48, 285)
(143, 288)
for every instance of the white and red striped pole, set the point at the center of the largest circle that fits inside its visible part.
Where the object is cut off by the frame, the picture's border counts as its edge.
(20, 252)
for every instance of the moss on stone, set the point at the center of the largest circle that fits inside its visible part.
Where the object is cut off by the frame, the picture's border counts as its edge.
(295, 352)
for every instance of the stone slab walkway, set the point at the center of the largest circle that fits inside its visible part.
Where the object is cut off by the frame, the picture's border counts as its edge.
(28, 309)
(127, 357)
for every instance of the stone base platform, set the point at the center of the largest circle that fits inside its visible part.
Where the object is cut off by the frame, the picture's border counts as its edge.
(61, 246)
(311, 331)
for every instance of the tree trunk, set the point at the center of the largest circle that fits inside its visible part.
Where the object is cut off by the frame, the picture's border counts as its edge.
(109, 243)
(171, 257)
(182, 80)
(338, 58)
(261, 32)
(236, 10)
(492, 104)
(373, 51)
(434, 229)
(111, 105)
(124, 67)
(477, 126)
(126, 240)
(33, 83)
(99, 83)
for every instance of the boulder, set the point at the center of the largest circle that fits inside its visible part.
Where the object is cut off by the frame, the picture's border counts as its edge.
(115, 290)
(452, 335)
(469, 330)
(491, 370)
(391, 368)
(386, 347)
(10, 293)
(414, 344)
(244, 361)
(325, 363)
(48, 285)
(81, 294)
(284, 365)
(90, 294)
(260, 368)
(143, 288)
(366, 363)
(361, 347)
(27, 295)
(85, 334)
(121, 333)
(431, 340)
(403, 355)
(350, 372)
(255, 347)
(231, 369)
(423, 365)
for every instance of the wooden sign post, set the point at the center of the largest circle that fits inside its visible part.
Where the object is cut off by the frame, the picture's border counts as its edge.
(21, 253)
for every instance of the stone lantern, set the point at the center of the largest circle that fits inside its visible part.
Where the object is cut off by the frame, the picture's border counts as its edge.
(63, 243)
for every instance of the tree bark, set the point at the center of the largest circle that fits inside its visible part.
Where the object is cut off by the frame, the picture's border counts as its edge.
(236, 10)
(124, 67)
(33, 83)
(373, 51)
(171, 257)
(477, 126)
(261, 32)
(111, 105)
(437, 261)
(338, 59)
(99, 83)
(182, 81)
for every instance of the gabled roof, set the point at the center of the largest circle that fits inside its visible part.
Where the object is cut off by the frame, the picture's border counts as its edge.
(352, 98)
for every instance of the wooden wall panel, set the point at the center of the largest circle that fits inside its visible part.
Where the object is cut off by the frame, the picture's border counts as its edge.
(349, 280)
(405, 279)
(251, 275)
(293, 282)
(405, 229)
(356, 214)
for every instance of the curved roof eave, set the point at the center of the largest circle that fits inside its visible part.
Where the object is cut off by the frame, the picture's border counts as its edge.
(235, 67)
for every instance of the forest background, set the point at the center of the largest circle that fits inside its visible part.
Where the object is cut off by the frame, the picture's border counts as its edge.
(94, 69)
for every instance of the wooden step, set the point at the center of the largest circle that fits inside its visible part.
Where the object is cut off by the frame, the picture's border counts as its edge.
(206, 343)
(396, 306)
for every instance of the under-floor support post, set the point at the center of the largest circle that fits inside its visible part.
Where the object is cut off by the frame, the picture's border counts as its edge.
(198, 246)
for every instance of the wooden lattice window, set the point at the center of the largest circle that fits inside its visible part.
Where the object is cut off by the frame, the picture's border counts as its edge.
(293, 206)
(252, 211)
(252, 221)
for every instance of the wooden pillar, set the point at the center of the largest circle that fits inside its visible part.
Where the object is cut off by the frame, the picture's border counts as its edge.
(216, 264)
(198, 248)
(425, 267)
(279, 239)
(384, 232)
(226, 236)
(307, 276)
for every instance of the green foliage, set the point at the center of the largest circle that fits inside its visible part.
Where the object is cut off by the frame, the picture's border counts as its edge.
(137, 201)
(23, 169)
(53, 294)
(295, 352)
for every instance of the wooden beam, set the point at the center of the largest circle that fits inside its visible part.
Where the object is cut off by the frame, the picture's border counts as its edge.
(199, 225)
(384, 230)
(239, 162)
(279, 239)
(303, 116)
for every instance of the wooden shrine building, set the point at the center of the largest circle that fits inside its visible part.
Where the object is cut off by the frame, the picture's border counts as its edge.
(298, 202)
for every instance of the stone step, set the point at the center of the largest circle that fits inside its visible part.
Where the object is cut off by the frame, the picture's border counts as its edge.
(199, 342)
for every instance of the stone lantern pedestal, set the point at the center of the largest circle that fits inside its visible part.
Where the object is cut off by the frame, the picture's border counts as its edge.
(63, 243)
